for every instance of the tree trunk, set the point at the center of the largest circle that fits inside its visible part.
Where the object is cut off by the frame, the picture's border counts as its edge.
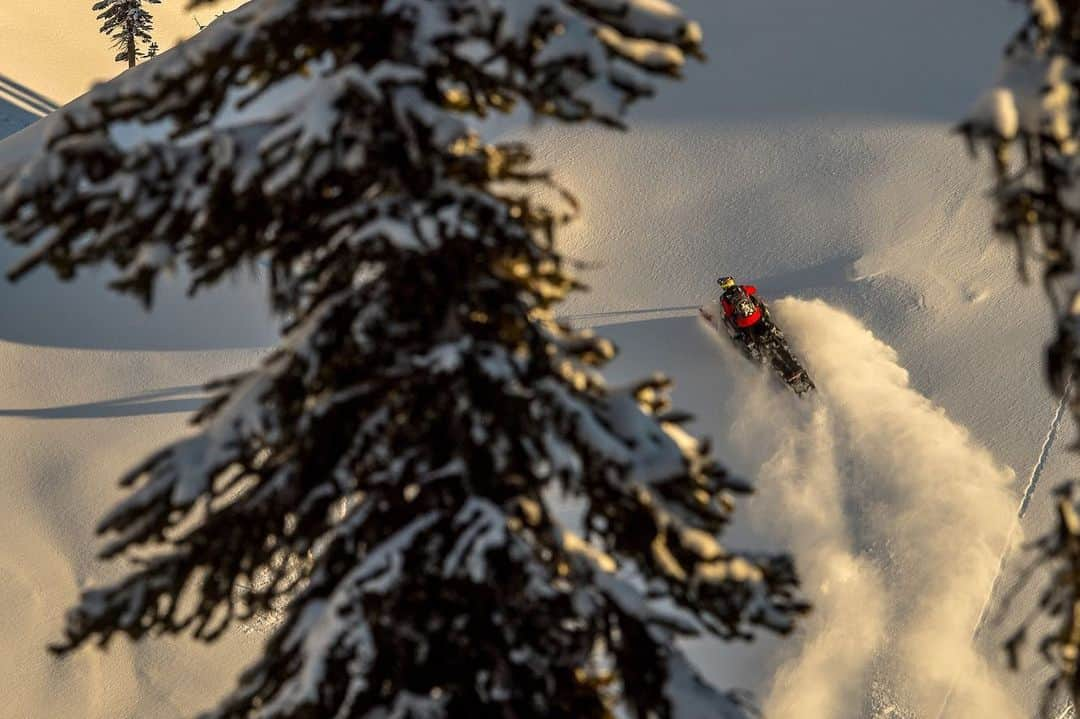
(131, 52)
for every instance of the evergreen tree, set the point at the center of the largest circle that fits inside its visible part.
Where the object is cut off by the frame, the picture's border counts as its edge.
(1028, 122)
(384, 479)
(128, 24)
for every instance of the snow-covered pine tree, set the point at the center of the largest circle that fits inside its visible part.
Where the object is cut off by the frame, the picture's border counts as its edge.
(129, 25)
(1028, 122)
(385, 478)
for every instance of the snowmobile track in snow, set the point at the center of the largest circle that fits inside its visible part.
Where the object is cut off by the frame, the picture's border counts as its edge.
(1048, 443)
(614, 315)
(1029, 492)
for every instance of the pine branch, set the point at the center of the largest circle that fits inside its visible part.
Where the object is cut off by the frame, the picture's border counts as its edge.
(383, 479)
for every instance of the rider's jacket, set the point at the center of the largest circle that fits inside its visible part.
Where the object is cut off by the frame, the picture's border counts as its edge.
(741, 307)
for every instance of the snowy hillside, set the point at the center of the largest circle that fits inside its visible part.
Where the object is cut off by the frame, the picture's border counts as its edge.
(15, 113)
(53, 46)
(811, 156)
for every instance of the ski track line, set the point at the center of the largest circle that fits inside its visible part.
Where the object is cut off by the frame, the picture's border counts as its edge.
(1029, 491)
(680, 309)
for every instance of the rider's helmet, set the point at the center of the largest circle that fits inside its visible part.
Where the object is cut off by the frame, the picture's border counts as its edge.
(726, 283)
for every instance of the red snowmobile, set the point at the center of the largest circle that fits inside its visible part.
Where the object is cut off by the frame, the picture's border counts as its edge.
(745, 318)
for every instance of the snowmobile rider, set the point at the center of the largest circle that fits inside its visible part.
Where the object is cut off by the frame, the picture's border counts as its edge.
(742, 310)
(747, 322)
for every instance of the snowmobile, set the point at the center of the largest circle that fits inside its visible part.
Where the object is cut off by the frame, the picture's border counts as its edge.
(746, 320)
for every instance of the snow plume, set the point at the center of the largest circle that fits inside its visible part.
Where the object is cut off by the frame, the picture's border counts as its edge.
(898, 520)
(805, 493)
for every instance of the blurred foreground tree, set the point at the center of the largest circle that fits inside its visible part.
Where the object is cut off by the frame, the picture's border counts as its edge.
(1028, 122)
(129, 25)
(384, 478)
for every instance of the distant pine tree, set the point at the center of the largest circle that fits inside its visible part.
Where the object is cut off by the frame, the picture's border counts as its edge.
(128, 24)
(385, 478)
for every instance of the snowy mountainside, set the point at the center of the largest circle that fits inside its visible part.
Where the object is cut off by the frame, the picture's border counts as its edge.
(13, 117)
(57, 49)
(810, 156)
(911, 61)
(897, 515)
(889, 223)
(71, 421)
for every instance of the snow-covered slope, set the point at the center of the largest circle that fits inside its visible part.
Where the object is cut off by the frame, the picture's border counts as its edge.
(70, 422)
(13, 117)
(54, 46)
(897, 514)
(888, 221)
(811, 156)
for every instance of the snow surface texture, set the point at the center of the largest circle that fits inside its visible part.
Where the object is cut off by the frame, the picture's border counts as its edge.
(889, 223)
(917, 560)
(70, 423)
(897, 516)
(829, 174)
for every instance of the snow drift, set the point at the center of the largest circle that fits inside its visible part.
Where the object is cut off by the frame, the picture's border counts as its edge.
(897, 518)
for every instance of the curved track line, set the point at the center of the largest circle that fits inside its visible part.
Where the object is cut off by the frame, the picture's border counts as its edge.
(1029, 491)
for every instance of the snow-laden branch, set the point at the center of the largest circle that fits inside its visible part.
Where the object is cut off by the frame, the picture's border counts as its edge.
(383, 479)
